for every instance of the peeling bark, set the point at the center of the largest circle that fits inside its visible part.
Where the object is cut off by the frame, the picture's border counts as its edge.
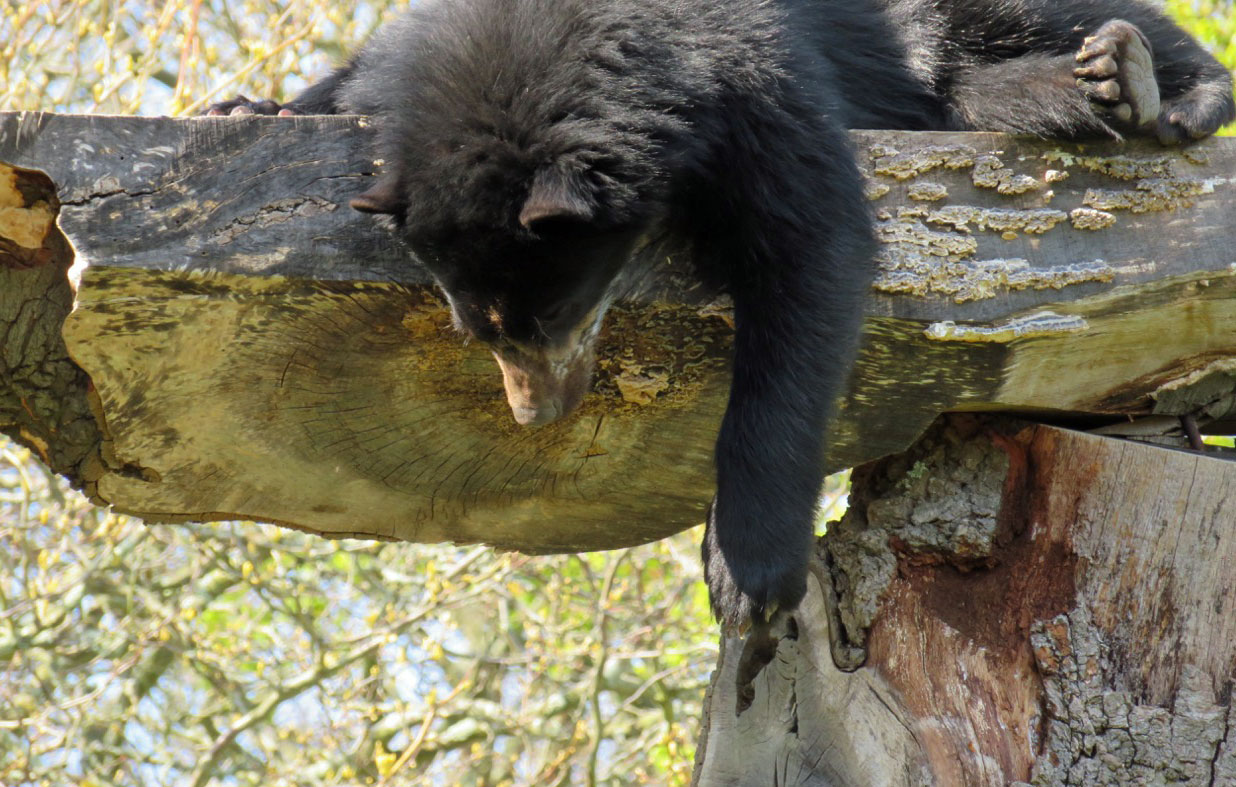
(45, 398)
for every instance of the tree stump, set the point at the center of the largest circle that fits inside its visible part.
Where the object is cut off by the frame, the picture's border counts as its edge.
(1035, 605)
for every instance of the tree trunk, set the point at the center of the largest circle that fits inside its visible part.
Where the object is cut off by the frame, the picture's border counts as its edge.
(1034, 604)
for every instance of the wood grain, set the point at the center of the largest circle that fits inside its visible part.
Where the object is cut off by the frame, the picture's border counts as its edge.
(259, 350)
(1045, 606)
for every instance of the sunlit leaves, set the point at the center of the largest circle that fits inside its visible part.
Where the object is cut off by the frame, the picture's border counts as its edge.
(245, 654)
(1213, 22)
(127, 57)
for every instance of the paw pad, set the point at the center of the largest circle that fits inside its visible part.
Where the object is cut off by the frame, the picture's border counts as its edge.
(243, 106)
(1116, 71)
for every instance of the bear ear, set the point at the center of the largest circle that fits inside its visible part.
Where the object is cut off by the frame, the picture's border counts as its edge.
(557, 194)
(382, 197)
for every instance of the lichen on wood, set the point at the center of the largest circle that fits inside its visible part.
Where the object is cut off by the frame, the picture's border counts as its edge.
(927, 192)
(1039, 324)
(1091, 219)
(932, 249)
(990, 173)
(933, 504)
(903, 166)
(1096, 733)
(1120, 166)
(1150, 194)
(1035, 221)
(903, 270)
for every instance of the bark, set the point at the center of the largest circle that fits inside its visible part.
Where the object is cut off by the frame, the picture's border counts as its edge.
(45, 398)
(1034, 604)
(260, 351)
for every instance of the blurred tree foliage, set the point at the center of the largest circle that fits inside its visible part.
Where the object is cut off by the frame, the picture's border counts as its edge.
(248, 654)
(251, 655)
(174, 57)
(1213, 22)
(126, 57)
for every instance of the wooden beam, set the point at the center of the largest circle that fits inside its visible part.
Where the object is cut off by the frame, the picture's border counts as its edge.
(255, 349)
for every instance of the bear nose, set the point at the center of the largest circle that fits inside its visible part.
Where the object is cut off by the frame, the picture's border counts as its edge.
(544, 413)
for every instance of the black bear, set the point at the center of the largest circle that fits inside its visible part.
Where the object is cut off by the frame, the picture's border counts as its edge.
(529, 146)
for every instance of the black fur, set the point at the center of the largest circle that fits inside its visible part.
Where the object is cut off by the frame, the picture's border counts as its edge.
(530, 145)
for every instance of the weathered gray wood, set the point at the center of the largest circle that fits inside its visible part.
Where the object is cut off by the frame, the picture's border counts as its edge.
(808, 724)
(1036, 605)
(259, 350)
